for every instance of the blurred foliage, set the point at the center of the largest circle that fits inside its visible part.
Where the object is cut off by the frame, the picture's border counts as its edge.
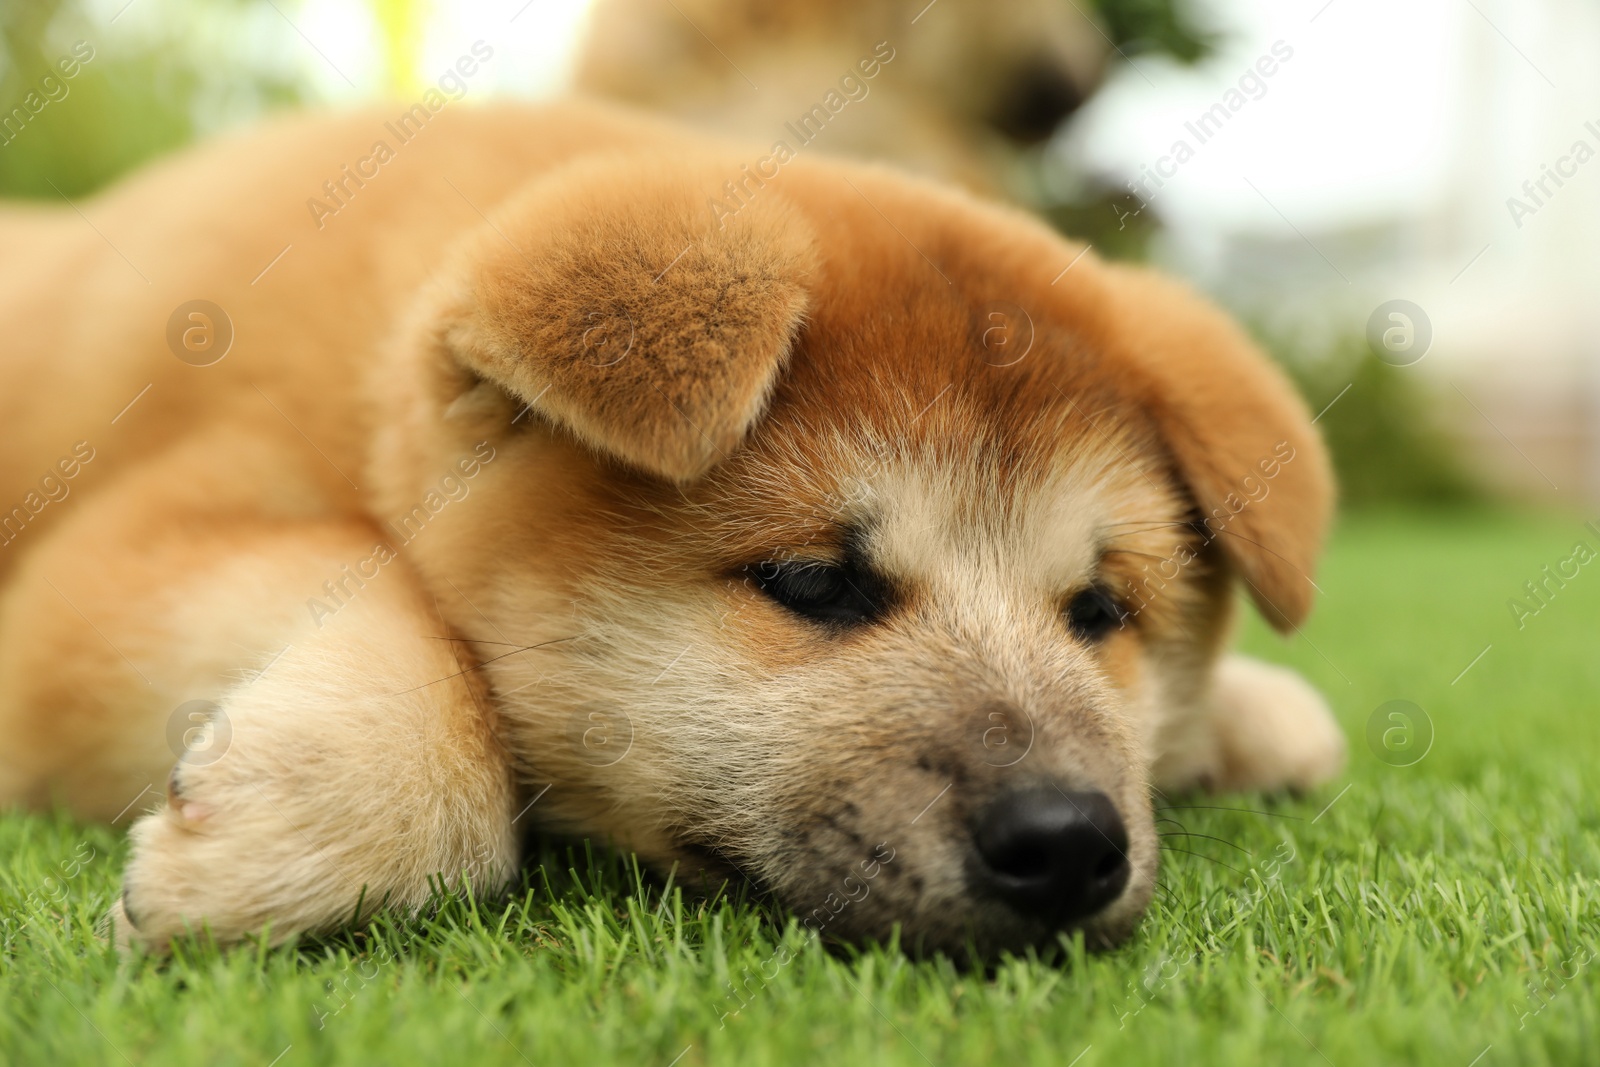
(1165, 26)
(1116, 222)
(1387, 446)
(141, 94)
(1108, 216)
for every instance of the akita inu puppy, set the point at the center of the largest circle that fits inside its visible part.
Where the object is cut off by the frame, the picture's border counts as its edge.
(379, 500)
(959, 90)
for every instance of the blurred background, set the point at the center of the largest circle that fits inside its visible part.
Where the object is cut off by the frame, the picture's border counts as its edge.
(1309, 163)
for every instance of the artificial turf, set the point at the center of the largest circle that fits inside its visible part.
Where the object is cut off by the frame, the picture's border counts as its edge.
(1445, 910)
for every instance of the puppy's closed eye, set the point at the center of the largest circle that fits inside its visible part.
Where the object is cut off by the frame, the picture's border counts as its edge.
(835, 593)
(1093, 613)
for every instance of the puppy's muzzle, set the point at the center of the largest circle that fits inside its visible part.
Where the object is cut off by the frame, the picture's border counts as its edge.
(1052, 855)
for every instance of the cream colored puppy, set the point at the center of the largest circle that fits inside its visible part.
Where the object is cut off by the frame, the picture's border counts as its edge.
(868, 542)
(955, 89)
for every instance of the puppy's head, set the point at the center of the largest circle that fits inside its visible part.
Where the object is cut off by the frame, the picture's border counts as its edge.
(952, 86)
(864, 545)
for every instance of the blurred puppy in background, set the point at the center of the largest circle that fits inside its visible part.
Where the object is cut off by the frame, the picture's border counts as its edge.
(962, 88)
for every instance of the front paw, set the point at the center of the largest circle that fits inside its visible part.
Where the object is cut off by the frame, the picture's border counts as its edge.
(327, 788)
(1273, 731)
(283, 838)
(209, 863)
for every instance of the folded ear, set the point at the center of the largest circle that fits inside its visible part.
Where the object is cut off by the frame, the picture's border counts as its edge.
(613, 299)
(1239, 433)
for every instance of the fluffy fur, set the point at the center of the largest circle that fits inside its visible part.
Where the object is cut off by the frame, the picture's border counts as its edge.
(458, 536)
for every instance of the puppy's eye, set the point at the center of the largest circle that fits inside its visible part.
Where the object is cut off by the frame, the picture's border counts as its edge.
(1094, 613)
(825, 592)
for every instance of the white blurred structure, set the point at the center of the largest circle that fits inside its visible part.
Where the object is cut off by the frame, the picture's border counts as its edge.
(1377, 163)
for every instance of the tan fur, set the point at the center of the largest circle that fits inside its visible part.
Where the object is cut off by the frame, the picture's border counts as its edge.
(451, 564)
(628, 316)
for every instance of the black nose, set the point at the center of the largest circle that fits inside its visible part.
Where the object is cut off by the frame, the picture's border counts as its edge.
(1051, 854)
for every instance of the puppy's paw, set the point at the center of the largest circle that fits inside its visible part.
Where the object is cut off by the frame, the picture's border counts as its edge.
(1272, 730)
(214, 861)
(249, 845)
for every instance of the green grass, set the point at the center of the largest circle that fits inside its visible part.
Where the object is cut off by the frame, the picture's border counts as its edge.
(1405, 919)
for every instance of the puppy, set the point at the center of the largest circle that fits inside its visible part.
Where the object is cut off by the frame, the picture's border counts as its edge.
(868, 543)
(958, 90)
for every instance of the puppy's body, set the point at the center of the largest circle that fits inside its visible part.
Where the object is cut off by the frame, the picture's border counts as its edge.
(509, 480)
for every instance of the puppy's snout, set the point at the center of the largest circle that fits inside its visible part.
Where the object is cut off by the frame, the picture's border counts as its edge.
(1051, 854)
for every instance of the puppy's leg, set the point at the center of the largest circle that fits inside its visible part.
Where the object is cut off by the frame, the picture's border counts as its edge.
(1261, 727)
(349, 757)
(358, 766)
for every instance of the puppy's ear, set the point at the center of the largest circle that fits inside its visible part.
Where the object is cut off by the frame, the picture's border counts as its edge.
(615, 299)
(1239, 433)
